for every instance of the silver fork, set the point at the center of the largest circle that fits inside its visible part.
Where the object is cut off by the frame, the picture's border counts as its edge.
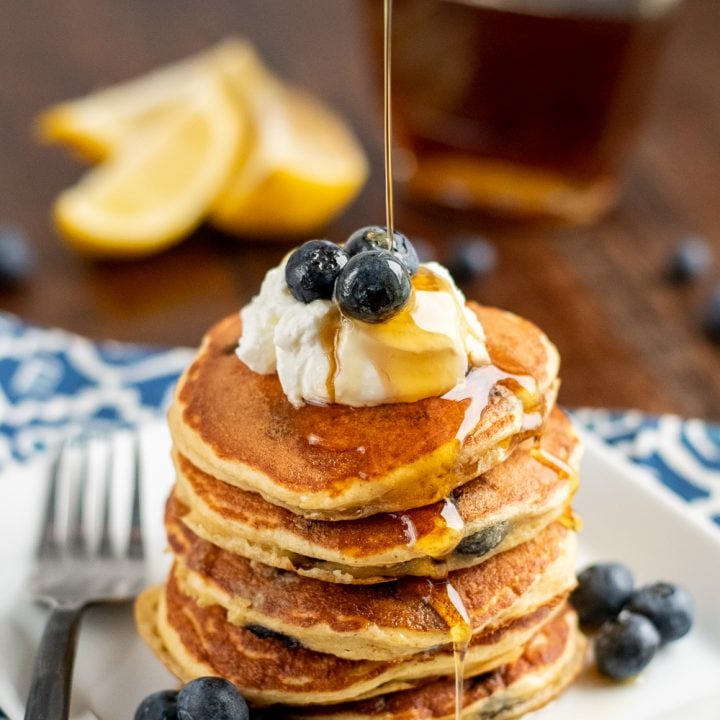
(75, 567)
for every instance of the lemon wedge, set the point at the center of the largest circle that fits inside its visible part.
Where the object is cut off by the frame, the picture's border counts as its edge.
(289, 167)
(96, 125)
(159, 186)
(303, 167)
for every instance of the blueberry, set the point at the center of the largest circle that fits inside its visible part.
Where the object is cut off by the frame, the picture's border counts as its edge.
(16, 257)
(691, 259)
(158, 706)
(483, 541)
(601, 592)
(625, 646)
(312, 269)
(211, 698)
(667, 606)
(711, 320)
(374, 237)
(471, 257)
(373, 286)
(264, 633)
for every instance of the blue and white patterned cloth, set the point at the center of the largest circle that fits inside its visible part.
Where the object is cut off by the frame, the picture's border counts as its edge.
(53, 383)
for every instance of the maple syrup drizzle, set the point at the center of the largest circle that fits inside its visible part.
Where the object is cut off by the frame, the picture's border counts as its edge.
(476, 389)
(438, 542)
(387, 119)
(395, 371)
(328, 338)
(446, 530)
(426, 280)
(448, 603)
(546, 458)
(447, 526)
(568, 518)
(408, 527)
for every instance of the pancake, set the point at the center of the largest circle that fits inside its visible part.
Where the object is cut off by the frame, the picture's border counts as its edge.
(379, 622)
(551, 660)
(196, 641)
(339, 462)
(506, 506)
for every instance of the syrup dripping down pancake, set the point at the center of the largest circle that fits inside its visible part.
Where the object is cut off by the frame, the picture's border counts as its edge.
(506, 506)
(338, 462)
(550, 661)
(194, 640)
(378, 622)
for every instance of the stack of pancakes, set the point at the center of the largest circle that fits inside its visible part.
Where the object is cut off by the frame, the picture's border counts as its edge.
(342, 562)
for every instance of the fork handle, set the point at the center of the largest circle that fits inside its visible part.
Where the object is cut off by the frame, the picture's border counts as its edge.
(49, 696)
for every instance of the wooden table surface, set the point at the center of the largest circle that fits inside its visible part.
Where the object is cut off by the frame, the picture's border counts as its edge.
(627, 338)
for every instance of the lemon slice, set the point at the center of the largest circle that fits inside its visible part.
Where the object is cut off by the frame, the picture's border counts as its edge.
(159, 186)
(298, 165)
(303, 167)
(97, 125)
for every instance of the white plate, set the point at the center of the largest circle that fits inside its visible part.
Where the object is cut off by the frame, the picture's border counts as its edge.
(627, 517)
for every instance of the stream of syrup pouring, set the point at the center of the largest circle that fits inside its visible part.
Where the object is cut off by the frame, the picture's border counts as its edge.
(442, 596)
(448, 525)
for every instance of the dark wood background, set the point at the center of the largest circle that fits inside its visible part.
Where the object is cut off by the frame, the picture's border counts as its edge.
(627, 338)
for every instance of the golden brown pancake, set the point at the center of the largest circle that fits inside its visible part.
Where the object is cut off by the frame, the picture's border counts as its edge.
(551, 660)
(378, 622)
(196, 641)
(338, 462)
(506, 506)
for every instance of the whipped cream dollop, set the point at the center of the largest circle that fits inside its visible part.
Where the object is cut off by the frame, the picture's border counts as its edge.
(323, 357)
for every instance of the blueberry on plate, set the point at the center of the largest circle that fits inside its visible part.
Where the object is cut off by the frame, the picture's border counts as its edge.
(312, 269)
(374, 237)
(667, 606)
(691, 259)
(601, 592)
(211, 698)
(471, 257)
(16, 257)
(373, 286)
(624, 646)
(158, 706)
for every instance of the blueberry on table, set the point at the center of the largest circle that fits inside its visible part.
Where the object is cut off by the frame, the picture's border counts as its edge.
(312, 269)
(712, 317)
(601, 592)
(373, 286)
(691, 259)
(374, 237)
(667, 606)
(471, 257)
(625, 646)
(158, 706)
(211, 698)
(16, 257)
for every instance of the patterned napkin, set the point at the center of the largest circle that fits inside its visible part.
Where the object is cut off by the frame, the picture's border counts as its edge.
(53, 383)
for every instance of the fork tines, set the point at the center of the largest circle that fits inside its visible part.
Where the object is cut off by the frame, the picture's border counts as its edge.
(93, 488)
